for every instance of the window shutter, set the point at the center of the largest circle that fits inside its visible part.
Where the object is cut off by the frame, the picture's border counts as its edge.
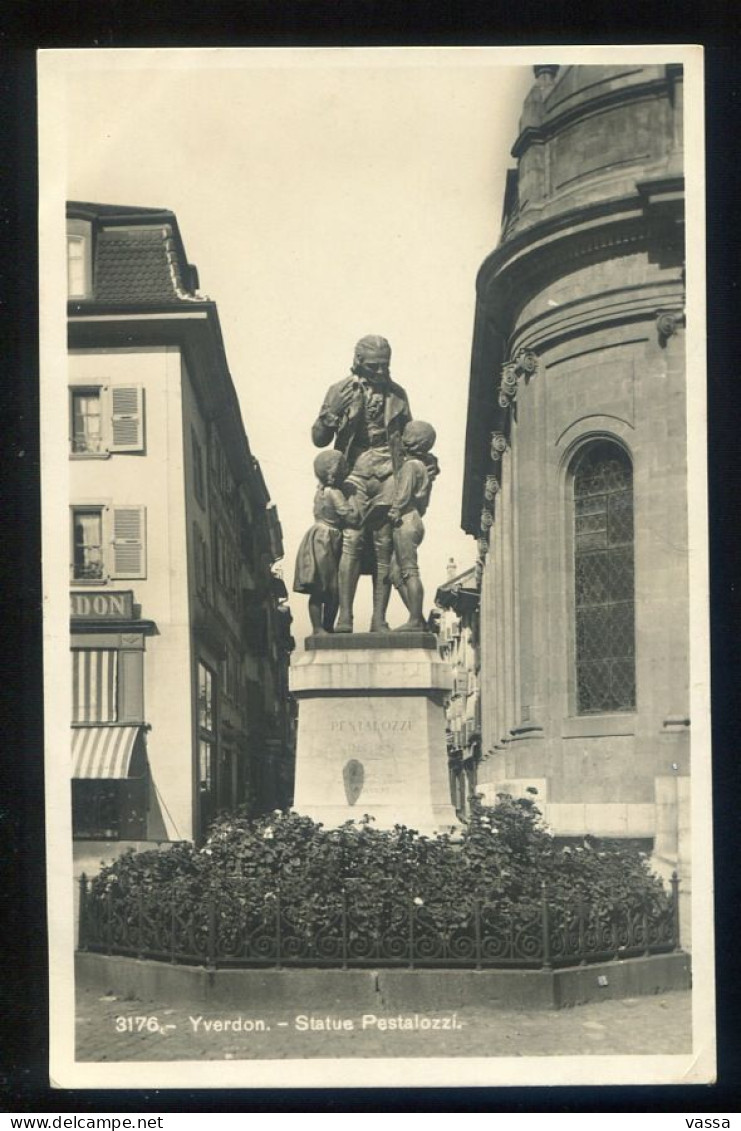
(128, 542)
(127, 418)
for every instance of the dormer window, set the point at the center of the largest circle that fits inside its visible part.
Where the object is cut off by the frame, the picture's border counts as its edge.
(79, 259)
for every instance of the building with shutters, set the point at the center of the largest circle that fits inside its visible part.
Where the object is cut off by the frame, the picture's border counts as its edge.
(576, 463)
(180, 633)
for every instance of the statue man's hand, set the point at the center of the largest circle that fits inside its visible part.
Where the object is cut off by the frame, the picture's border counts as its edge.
(341, 403)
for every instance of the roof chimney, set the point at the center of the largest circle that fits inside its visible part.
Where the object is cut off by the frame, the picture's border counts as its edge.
(451, 569)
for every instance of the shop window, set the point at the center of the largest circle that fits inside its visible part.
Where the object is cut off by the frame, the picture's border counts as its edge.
(207, 785)
(602, 481)
(106, 419)
(228, 779)
(109, 810)
(206, 699)
(108, 542)
(206, 765)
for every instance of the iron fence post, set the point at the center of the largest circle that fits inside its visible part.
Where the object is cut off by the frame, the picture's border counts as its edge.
(211, 943)
(344, 928)
(614, 931)
(172, 930)
(675, 910)
(546, 925)
(477, 930)
(109, 920)
(582, 934)
(278, 928)
(411, 933)
(139, 923)
(646, 944)
(82, 924)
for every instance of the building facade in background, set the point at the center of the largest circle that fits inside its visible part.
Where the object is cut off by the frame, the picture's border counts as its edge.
(180, 633)
(576, 463)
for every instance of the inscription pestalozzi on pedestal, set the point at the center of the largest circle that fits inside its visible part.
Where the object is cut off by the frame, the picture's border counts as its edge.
(371, 736)
(371, 724)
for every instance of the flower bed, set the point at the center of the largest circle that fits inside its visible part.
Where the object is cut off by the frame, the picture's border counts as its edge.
(282, 890)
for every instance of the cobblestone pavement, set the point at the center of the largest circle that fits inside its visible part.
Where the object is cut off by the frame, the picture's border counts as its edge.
(109, 1029)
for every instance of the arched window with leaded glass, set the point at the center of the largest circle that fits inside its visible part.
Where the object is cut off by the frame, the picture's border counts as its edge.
(604, 591)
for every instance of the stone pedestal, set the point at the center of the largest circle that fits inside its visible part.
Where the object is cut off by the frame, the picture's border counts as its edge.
(371, 731)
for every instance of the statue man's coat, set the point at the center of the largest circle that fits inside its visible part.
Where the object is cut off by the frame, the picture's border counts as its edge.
(397, 415)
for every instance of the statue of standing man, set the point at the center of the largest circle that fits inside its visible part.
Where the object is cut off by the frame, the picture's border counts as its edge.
(365, 414)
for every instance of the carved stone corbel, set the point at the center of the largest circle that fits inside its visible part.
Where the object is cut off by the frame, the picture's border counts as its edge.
(498, 445)
(491, 487)
(523, 364)
(526, 362)
(667, 324)
(508, 385)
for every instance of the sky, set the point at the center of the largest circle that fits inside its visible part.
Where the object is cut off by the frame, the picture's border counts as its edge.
(323, 195)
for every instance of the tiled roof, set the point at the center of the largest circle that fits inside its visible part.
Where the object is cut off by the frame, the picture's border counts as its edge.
(138, 266)
(88, 210)
(138, 256)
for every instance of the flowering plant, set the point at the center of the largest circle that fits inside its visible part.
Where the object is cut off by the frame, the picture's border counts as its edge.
(284, 863)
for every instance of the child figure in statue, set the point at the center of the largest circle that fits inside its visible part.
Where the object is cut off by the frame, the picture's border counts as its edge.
(414, 481)
(318, 557)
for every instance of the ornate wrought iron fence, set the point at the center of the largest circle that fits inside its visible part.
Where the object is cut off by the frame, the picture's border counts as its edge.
(218, 933)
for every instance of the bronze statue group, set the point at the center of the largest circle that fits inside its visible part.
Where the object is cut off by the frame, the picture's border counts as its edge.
(373, 489)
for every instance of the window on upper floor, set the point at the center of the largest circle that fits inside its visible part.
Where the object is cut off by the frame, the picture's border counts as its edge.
(87, 431)
(201, 562)
(198, 486)
(108, 542)
(229, 675)
(106, 419)
(79, 259)
(87, 544)
(604, 598)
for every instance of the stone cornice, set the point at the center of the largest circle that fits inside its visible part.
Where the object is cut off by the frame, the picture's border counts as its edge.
(557, 121)
(521, 267)
(644, 303)
(554, 245)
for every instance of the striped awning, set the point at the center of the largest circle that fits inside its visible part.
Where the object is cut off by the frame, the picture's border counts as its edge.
(102, 752)
(94, 685)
